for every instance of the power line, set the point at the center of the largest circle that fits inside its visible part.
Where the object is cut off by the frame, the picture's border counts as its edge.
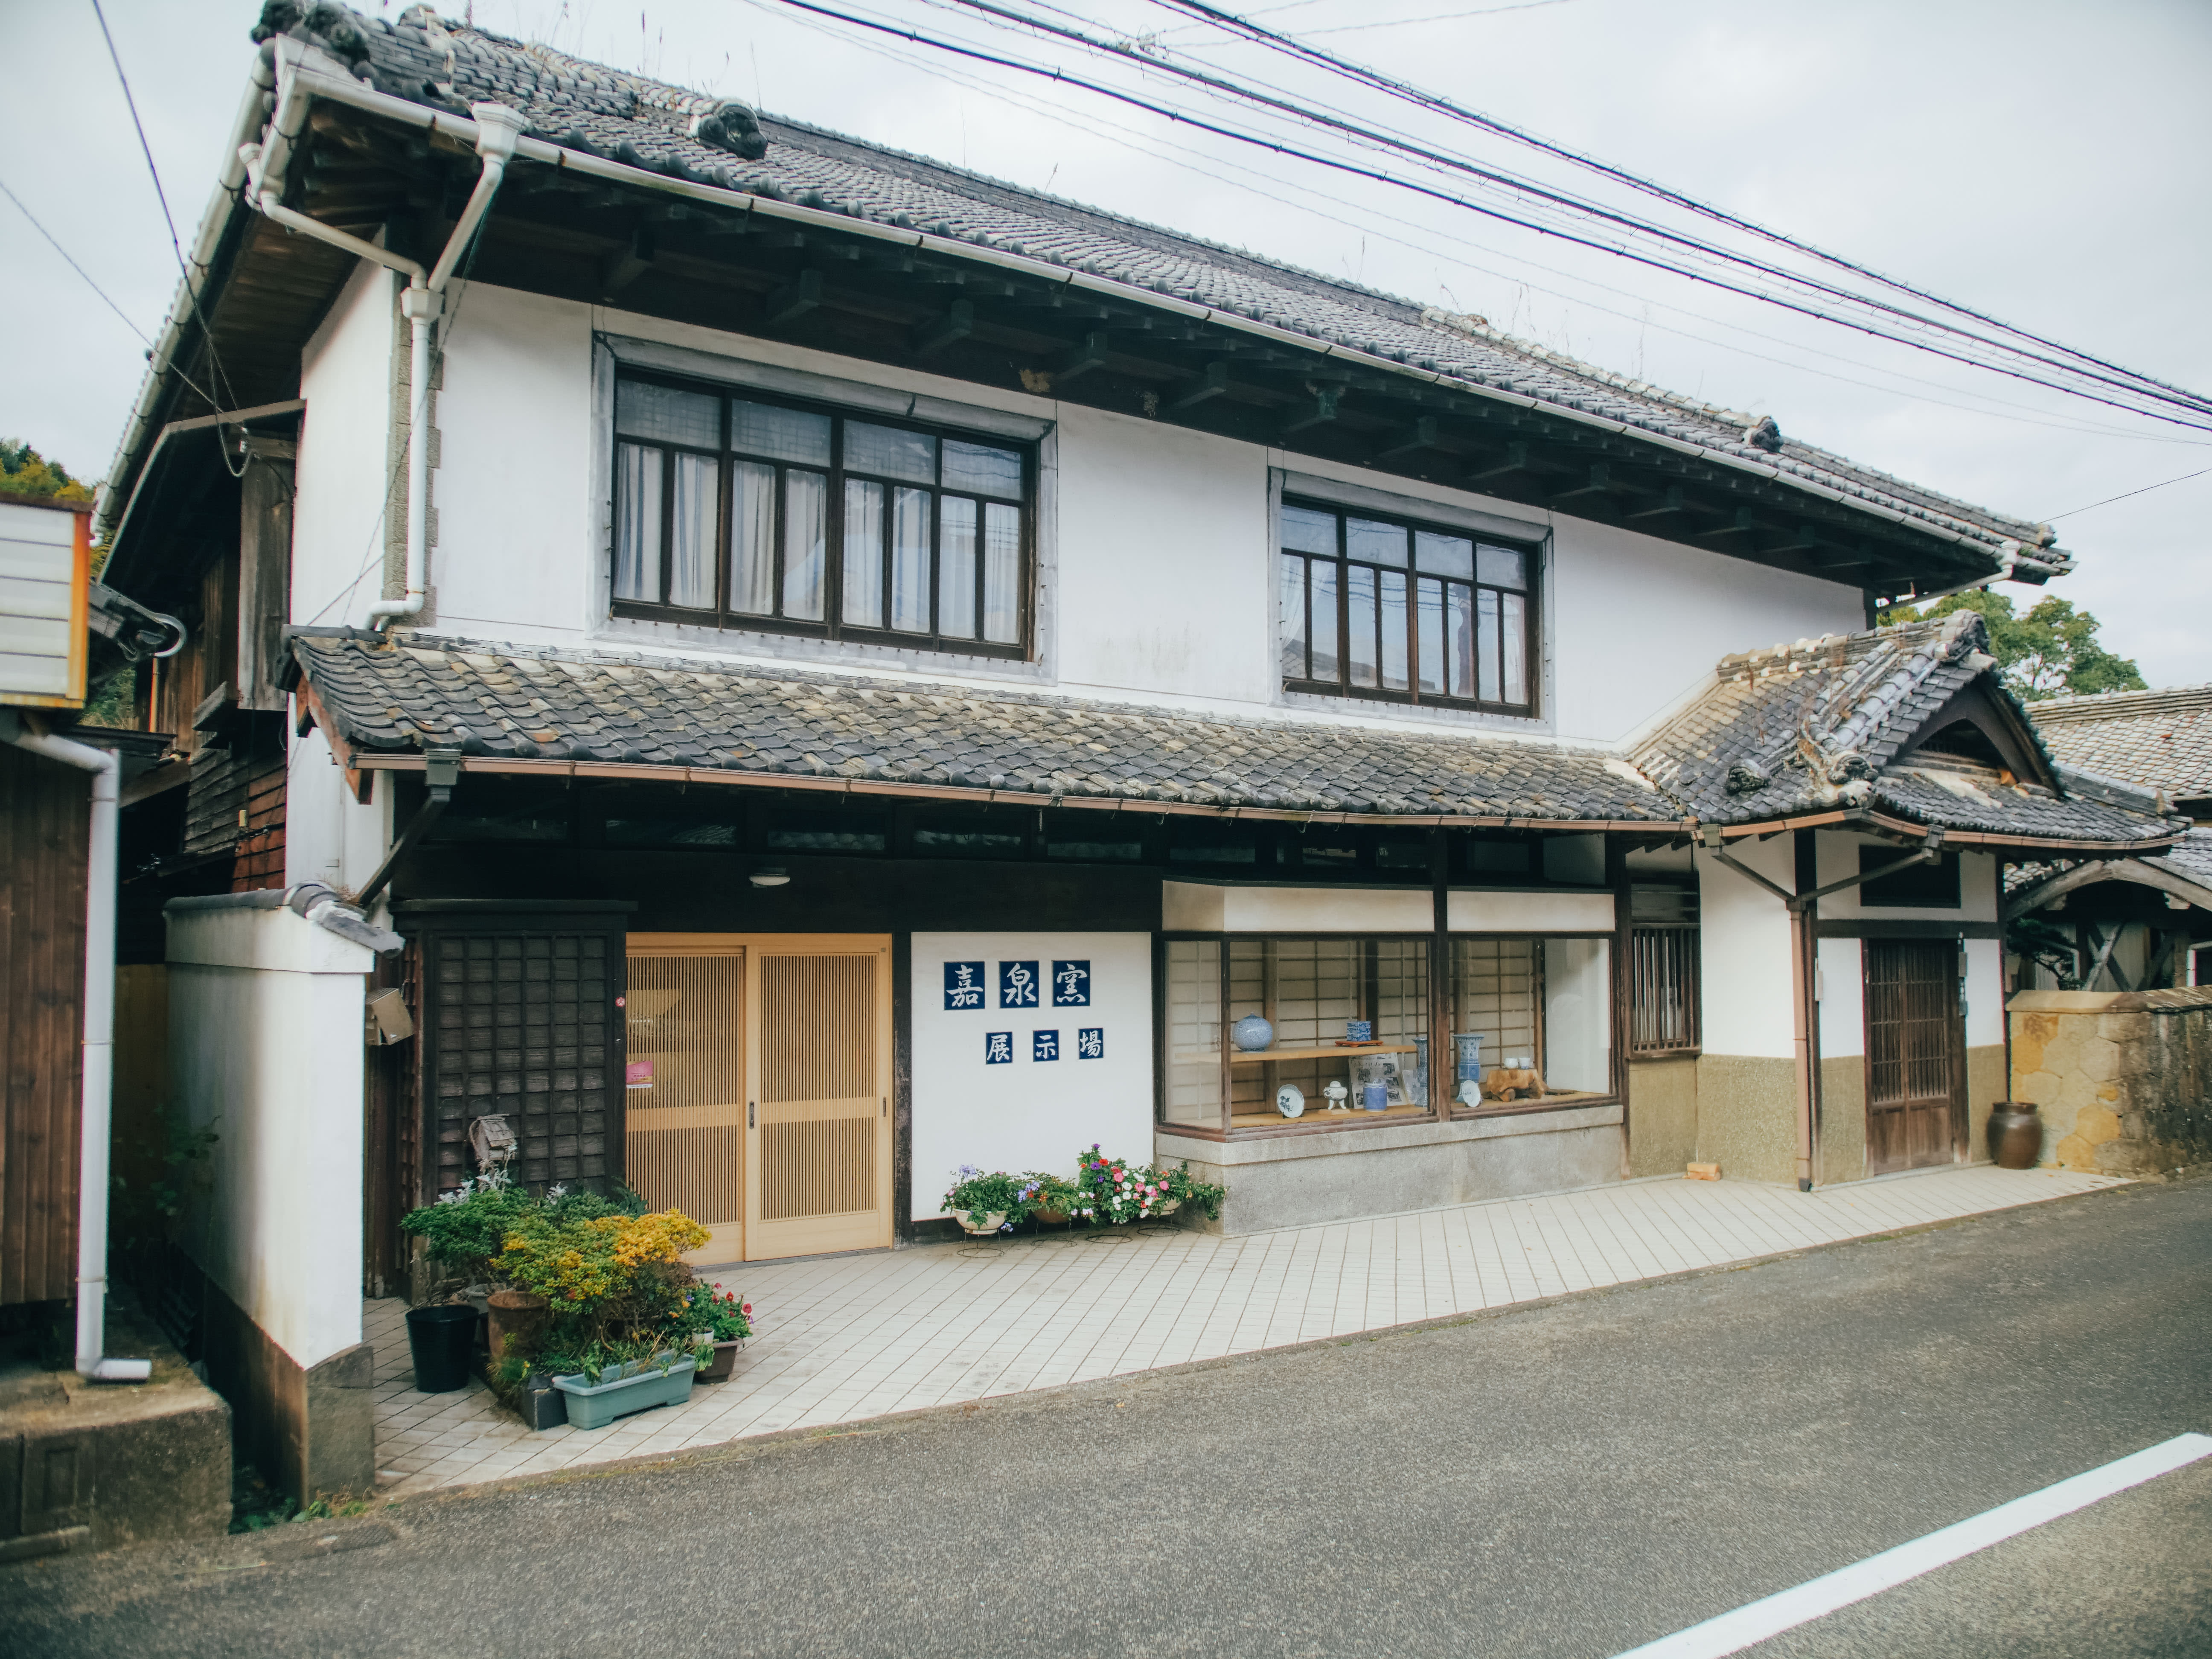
(176, 245)
(1054, 73)
(74, 266)
(1434, 17)
(1436, 103)
(1210, 166)
(1005, 16)
(2145, 490)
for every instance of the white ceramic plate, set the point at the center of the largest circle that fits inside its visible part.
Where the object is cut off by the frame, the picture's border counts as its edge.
(1291, 1100)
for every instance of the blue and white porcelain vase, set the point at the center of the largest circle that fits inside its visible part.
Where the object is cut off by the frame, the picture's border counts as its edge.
(1252, 1034)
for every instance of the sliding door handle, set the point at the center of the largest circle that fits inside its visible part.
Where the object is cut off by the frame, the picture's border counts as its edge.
(748, 1114)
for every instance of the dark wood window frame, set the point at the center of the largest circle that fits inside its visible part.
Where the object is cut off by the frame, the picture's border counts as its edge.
(831, 625)
(1345, 563)
(1663, 974)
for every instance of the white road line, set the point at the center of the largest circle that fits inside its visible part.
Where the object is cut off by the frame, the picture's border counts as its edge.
(1732, 1632)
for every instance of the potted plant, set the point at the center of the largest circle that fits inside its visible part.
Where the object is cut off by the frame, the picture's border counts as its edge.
(614, 1379)
(984, 1204)
(1183, 1187)
(1052, 1199)
(712, 1319)
(1117, 1191)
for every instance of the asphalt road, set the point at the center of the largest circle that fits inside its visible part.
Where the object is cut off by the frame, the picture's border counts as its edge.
(1568, 1480)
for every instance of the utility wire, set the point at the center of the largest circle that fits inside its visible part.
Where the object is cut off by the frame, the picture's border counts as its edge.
(2109, 499)
(1212, 166)
(1407, 93)
(1005, 17)
(1433, 17)
(176, 245)
(1054, 73)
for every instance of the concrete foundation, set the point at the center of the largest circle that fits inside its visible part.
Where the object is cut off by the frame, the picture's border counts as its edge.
(310, 1430)
(86, 1466)
(1297, 1181)
(2123, 1079)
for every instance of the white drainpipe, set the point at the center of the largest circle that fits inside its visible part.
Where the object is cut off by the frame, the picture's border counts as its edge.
(96, 1111)
(498, 126)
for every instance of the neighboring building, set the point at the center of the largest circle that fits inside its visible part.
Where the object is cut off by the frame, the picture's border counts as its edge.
(875, 669)
(2126, 925)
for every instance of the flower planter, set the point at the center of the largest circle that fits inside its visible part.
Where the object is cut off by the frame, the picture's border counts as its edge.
(724, 1362)
(982, 1227)
(1052, 1217)
(644, 1386)
(439, 1338)
(511, 1313)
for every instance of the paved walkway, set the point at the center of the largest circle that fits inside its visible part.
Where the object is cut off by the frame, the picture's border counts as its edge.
(850, 1337)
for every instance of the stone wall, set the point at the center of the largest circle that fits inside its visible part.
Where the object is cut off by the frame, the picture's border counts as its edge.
(2123, 1079)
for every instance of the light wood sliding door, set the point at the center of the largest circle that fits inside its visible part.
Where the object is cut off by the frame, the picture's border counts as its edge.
(819, 1156)
(685, 1106)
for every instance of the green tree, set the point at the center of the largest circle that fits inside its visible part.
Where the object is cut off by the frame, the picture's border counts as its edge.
(2053, 648)
(24, 471)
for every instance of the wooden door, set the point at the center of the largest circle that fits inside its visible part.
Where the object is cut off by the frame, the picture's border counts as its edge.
(1916, 1061)
(818, 1058)
(685, 1100)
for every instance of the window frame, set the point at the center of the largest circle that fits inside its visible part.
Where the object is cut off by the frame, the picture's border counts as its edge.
(832, 625)
(1531, 595)
(1442, 1106)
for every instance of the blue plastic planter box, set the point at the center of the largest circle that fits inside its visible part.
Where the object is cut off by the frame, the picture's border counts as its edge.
(644, 1386)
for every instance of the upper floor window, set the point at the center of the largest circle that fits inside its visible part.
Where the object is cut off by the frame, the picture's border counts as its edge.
(1388, 608)
(741, 511)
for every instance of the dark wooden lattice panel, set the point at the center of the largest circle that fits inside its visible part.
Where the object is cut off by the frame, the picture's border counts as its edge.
(518, 1019)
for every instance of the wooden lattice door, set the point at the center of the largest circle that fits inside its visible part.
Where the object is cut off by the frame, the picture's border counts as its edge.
(1916, 1098)
(685, 1093)
(818, 1151)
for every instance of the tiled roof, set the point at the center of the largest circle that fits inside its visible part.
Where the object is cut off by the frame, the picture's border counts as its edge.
(2158, 740)
(590, 107)
(1820, 725)
(515, 703)
(2191, 857)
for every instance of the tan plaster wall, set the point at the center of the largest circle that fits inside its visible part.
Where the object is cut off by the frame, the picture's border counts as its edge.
(1843, 1119)
(1985, 1086)
(1662, 1115)
(1747, 1116)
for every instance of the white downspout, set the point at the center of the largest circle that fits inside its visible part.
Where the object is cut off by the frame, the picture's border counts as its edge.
(96, 1110)
(423, 302)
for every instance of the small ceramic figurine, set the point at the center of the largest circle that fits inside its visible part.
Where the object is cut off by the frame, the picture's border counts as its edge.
(1337, 1094)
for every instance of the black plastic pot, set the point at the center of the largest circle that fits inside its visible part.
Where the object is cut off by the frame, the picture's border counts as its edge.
(441, 1338)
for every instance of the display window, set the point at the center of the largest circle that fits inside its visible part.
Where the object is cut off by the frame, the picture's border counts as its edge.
(1280, 1034)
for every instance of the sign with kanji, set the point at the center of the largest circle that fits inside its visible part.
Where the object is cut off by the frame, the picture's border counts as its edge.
(998, 1048)
(1045, 1045)
(1017, 985)
(1091, 1042)
(964, 985)
(1071, 984)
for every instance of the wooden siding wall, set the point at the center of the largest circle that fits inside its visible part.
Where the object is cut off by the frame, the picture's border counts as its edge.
(43, 807)
(236, 806)
(516, 1017)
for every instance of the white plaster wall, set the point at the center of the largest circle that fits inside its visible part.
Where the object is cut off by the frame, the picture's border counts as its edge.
(1027, 1114)
(1642, 622)
(1745, 969)
(329, 836)
(265, 1049)
(1843, 997)
(1165, 587)
(518, 513)
(1165, 573)
(338, 516)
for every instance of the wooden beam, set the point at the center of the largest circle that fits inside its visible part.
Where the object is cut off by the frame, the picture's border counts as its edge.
(790, 303)
(1517, 460)
(1422, 434)
(957, 323)
(1090, 354)
(1211, 384)
(1669, 504)
(1601, 484)
(1320, 412)
(628, 261)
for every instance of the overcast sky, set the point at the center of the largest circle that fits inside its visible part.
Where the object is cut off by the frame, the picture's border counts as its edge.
(2048, 164)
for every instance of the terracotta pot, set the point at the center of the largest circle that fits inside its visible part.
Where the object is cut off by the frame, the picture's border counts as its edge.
(2015, 1134)
(512, 1314)
(1055, 1217)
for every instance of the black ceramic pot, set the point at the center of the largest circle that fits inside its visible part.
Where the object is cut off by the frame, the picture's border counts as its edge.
(441, 1338)
(2015, 1134)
